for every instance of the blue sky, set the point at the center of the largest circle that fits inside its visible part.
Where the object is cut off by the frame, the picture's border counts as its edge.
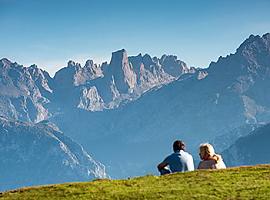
(51, 32)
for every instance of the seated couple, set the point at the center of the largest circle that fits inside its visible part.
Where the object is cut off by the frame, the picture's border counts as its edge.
(181, 161)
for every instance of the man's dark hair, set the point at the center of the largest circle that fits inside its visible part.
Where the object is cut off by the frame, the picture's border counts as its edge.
(178, 145)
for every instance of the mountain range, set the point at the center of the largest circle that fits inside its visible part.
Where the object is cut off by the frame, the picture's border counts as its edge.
(27, 91)
(128, 112)
(227, 98)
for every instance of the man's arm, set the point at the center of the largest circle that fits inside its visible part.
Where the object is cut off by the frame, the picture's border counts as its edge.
(162, 165)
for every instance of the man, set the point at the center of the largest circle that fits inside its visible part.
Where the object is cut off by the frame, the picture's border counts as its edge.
(179, 161)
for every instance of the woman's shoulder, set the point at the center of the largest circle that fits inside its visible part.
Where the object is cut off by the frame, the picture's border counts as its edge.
(207, 164)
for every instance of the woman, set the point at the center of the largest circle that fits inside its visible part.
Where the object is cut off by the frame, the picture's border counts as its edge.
(210, 160)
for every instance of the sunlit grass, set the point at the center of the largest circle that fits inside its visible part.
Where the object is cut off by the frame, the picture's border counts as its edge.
(234, 183)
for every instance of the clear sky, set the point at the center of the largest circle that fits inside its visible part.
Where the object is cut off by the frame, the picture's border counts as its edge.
(51, 32)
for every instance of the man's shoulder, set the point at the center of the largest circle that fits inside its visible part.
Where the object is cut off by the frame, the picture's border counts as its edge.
(171, 155)
(182, 154)
(168, 158)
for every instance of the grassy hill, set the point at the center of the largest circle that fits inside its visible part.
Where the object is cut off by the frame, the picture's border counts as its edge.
(235, 183)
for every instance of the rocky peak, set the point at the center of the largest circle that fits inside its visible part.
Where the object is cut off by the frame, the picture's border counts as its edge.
(251, 58)
(163, 57)
(147, 61)
(266, 37)
(255, 44)
(255, 54)
(5, 62)
(248, 41)
(93, 70)
(73, 65)
(65, 76)
(119, 58)
(35, 71)
(136, 61)
(173, 66)
(89, 64)
(89, 72)
(155, 59)
(137, 58)
(20, 94)
(168, 58)
(34, 66)
(42, 80)
(122, 71)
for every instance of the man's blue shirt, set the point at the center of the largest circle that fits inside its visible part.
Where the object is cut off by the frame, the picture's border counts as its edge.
(180, 161)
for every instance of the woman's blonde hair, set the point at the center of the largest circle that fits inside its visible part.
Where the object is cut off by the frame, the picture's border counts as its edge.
(207, 149)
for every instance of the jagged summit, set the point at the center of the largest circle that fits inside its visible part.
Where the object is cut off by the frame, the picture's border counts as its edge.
(33, 66)
(147, 60)
(254, 42)
(4, 62)
(266, 36)
(125, 78)
(119, 56)
(121, 73)
(252, 56)
(89, 63)
(71, 63)
(97, 87)
(74, 65)
(20, 96)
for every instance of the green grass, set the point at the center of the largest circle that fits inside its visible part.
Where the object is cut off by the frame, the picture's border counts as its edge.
(235, 183)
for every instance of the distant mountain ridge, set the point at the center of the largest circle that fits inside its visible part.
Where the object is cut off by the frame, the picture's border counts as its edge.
(123, 79)
(145, 103)
(24, 92)
(34, 154)
(27, 91)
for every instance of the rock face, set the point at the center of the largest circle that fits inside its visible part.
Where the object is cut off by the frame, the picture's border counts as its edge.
(21, 92)
(122, 72)
(34, 154)
(90, 100)
(251, 149)
(28, 92)
(123, 79)
(247, 73)
(42, 80)
(75, 75)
